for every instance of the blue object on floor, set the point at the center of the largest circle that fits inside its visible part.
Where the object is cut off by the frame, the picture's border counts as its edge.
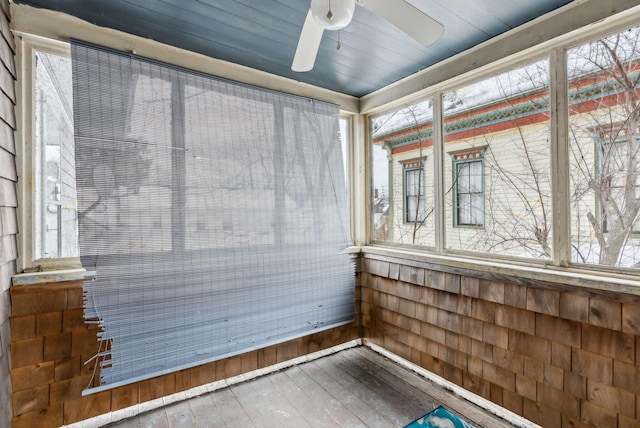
(439, 418)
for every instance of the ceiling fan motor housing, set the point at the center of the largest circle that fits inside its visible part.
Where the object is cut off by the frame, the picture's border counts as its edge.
(332, 14)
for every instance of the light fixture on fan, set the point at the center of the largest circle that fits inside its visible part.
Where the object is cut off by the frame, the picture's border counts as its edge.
(337, 14)
(332, 14)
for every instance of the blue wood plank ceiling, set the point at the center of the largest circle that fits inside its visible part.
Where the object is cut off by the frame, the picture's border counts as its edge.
(263, 34)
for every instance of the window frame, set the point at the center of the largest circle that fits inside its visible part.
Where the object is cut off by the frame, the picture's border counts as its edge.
(412, 167)
(555, 51)
(456, 193)
(26, 47)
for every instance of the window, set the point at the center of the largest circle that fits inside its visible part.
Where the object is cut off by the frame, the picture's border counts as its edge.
(49, 229)
(604, 150)
(403, 165)
(510, 202)
(414, 210)
(469, 193)
(144, 167)
(166, 159)
(497, 185)
(55, 201)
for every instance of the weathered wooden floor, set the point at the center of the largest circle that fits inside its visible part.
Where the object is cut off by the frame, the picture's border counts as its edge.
(353, 388)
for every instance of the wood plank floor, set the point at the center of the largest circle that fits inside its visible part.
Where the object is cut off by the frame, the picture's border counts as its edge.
(356, 387)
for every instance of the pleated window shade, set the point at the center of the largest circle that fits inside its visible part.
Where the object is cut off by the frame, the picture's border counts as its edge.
(213, 213)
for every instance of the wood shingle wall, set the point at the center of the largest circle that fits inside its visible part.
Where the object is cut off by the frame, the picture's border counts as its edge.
(51, 344)
(8, 204)
(558, 358)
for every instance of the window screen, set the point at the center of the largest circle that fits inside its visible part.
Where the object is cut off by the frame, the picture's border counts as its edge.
(213, 213)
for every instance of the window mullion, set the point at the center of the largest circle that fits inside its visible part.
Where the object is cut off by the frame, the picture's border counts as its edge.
(360, 187)
(559, 124)
(438, 173)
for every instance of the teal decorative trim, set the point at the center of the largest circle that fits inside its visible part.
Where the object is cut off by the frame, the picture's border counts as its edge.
(506, 114)
(411, 138)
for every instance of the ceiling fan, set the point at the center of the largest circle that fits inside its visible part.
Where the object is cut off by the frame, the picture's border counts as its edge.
(337, 14)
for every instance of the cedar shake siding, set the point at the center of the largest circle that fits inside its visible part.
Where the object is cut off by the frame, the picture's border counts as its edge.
(8, 204)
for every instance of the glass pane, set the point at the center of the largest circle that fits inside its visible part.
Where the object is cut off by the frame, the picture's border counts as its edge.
(132, 170)
(412, 177)
(498, 129)
(412, 206)
(403, 143)
(605, 150)
(380, 202)
(475, 177)
(463, 178)
(477, 209)
(414, 191)
(55, 233)
(464, 208)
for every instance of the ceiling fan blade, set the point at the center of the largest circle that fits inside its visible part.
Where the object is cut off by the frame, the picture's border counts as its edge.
(308, 45)
(407, 18)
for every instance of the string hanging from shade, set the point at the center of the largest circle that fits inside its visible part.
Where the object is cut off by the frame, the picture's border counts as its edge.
(213, 213)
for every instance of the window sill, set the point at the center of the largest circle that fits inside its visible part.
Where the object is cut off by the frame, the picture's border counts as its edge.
(593, 282)
(36, 278)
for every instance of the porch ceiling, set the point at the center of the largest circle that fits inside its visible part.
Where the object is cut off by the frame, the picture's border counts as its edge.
(263, 34)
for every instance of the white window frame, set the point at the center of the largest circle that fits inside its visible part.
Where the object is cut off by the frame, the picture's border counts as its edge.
(26, 48)
(560, 268)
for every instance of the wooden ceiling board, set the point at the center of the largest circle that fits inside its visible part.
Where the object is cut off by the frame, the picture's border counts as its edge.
(263, 34)
(472, 14)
